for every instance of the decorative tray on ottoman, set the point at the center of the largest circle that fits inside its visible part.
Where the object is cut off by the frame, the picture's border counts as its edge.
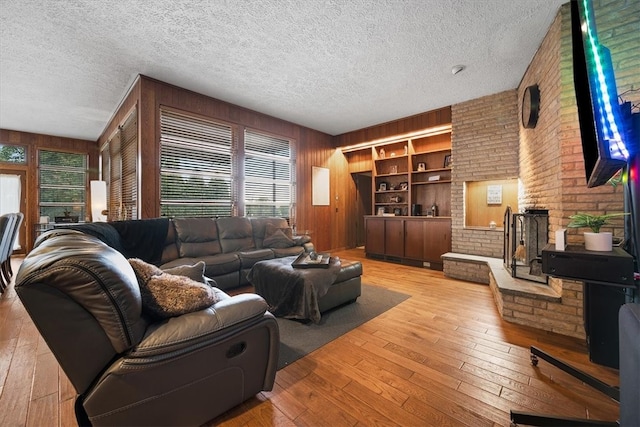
(304, 261)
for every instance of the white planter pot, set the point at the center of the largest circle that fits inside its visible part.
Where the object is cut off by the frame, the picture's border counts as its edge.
(598, 241)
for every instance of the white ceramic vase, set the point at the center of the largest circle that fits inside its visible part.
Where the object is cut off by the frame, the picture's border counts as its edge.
(598, 241)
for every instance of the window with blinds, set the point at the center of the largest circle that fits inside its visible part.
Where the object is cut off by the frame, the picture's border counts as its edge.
(196, 166)
(62, 184)
(269, 165)
(119, 158)
(129, 166)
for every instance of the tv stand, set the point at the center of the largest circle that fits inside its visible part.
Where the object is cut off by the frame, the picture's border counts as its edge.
(602, 301)
(528, 418)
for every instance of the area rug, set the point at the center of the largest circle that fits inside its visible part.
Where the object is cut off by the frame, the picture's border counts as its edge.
(298, 339)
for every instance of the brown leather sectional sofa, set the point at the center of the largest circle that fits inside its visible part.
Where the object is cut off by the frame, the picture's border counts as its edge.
(229, 246)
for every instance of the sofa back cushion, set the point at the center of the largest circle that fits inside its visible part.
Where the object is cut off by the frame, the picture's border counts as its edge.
(84, 298)
(197, 237)
(170, 251)
(235, 234)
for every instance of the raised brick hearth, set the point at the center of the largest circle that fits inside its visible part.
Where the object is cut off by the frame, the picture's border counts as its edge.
(556, 307)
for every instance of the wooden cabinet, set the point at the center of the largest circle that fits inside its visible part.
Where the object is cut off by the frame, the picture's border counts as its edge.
(394, 237)
(413, 240)
(374, 235)
(437, 238)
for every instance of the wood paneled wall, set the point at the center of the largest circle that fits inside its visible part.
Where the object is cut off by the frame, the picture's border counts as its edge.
(402, 126)
(313, 149)
(333, 227)
(34, 142)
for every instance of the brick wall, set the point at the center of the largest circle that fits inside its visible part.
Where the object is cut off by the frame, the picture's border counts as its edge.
(484, 146)
(563, 317)
(488, 142)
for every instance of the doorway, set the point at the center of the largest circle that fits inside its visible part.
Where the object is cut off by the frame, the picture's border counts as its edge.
(362, 182)
(13, 199)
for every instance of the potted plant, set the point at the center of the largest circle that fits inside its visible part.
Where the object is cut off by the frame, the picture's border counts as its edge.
(594, 240)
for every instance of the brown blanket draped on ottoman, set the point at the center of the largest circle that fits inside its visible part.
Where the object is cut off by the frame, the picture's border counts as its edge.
(293, 293)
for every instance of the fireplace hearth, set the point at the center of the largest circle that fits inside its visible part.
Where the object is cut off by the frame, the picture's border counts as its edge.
(525, 235)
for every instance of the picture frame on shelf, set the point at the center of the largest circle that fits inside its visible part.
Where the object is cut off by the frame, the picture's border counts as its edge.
(447, 161)
(383, 186)
(422, 166)
(404, 186)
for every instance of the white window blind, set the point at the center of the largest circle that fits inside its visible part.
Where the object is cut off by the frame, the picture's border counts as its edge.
(196, 166)
(62, 184)
(269, 182)
(114, 179)
(129, 158)
(120, 169)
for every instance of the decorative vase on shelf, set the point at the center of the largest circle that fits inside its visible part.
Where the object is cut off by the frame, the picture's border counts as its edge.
(602, 241)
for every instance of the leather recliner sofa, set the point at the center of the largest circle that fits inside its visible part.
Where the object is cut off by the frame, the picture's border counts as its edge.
(85, 300)
(229, 246)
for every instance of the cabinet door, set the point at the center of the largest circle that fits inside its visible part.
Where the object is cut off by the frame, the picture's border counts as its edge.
(374, 236)
(437, 239)
(394, 237)
(414, 239)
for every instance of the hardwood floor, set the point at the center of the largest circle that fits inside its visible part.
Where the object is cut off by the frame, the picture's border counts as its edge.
(443, 357)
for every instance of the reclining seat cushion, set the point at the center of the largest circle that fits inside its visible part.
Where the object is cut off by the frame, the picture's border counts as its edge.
(197, 237)
(247, 259)
(235, 234)
(190, 329)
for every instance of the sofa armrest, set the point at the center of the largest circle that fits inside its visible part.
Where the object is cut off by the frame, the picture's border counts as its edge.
(201, 327)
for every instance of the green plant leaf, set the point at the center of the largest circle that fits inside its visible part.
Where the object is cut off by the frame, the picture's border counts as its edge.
(594, 222)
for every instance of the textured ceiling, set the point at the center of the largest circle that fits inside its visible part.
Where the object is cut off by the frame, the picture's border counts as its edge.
(331, 65)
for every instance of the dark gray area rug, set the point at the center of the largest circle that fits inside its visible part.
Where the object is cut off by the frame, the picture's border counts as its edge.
(298, 339)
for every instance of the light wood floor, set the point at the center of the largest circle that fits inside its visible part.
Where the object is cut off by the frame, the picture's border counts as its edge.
(443, 357)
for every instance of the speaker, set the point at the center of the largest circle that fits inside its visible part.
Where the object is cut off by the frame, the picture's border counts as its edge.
(416, 210)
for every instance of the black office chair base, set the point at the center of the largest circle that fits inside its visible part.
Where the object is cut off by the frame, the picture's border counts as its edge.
(529, 419)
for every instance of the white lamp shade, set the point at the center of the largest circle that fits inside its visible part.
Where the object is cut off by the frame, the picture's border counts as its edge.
(98, 201)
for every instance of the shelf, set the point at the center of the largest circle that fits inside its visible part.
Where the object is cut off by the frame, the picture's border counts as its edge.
(431, 170)
(441, 150)
(399, 156)
(431, 152)
(442, 181)
(387, 175)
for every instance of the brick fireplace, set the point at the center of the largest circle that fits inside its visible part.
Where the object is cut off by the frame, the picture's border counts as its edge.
(488, 143)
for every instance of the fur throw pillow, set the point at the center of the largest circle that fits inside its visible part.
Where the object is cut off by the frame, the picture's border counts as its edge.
(167, 295)
(276, 237)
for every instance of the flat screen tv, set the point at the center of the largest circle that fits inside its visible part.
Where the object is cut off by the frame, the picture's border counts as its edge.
(602, 125)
